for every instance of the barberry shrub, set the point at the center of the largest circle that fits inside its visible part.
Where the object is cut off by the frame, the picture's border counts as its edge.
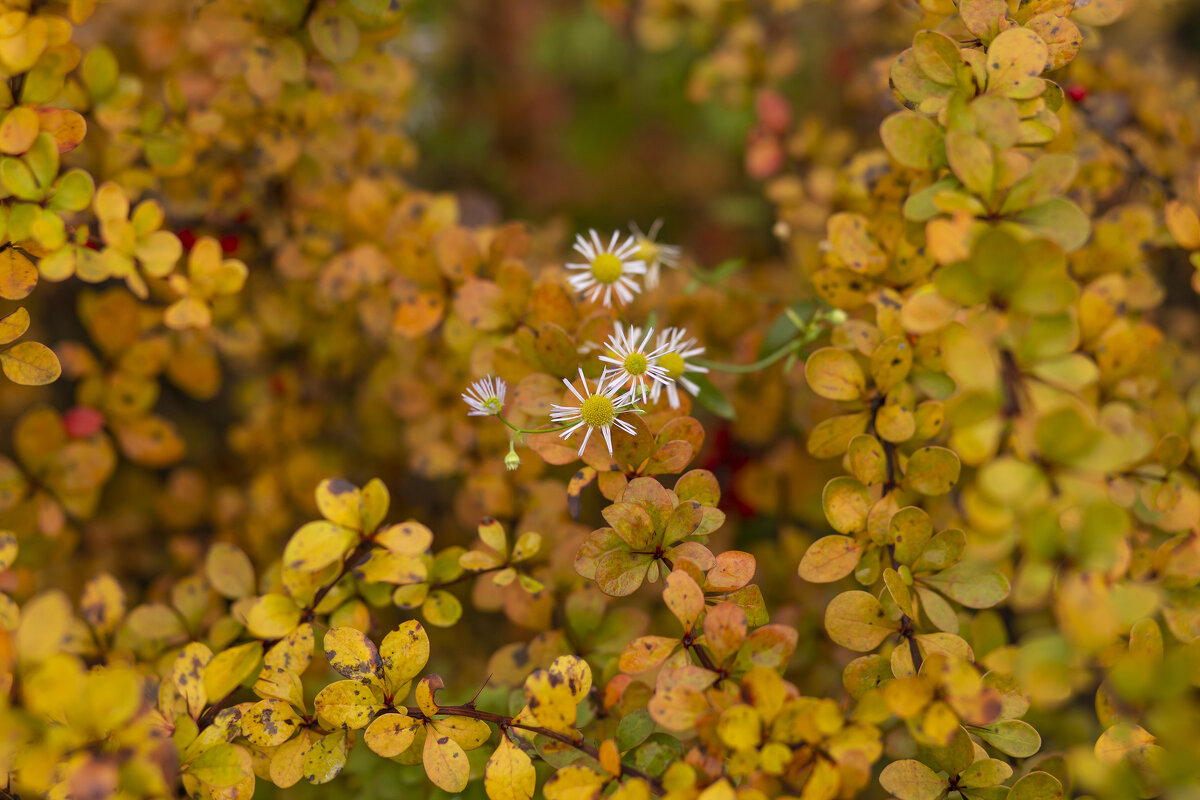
(311, 476)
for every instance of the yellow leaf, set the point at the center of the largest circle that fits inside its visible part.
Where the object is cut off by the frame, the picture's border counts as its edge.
(221, 766)
(469, 733)
(1120, 740)
(375, 502)
(65, 126)
(187, 673)
(610, 757)
(835, 374)
(45, 621)
(1015, 60)
(8, 549)
(829, 559)
(325, 759)
(404, 653)
(574, 782)
(18, 130)
(229, 570)
(187, 312)
(13, 325)
(340, 502)
(272, 616)
(347, 704)
(856, 620)
(317, 545)
(151, 441)
(445, 763)
(684, 599)
(407, 538)
(391, 734)
(353, 655)
(18, 275)
(846, 504)
(230, 668)
(287, 763)
(740, 727)
(509, 774)
(426, 688)
(441, 609)
(270, 722)
(646, 652)
(1183, 223)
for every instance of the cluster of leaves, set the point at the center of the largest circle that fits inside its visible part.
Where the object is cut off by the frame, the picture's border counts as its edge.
(994, 448)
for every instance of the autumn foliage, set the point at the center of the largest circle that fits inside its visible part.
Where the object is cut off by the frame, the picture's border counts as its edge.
(311, 476)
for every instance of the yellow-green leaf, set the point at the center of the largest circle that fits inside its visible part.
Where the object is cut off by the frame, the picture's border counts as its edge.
(912, 780)
(932, 470)
(857, 621)
(832, 372)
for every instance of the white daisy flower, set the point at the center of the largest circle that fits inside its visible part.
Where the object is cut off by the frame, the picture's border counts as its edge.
(675, 347)
(607, 270)
(656, 254)
(485, 397)
(632, 362)
(597, 409)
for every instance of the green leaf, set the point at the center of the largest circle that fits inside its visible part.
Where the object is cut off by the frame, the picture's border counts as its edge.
(1012, 737)
(783, 329)
(985, 772)
(711, 397)
(932, 470)
(1058, 220)
(971, 584)
(1036, 786)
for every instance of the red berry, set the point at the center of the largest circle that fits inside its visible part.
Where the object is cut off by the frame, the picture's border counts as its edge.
(1077, 93)
(91, 245)
(187, 238)
(229, 243)
(82, 421)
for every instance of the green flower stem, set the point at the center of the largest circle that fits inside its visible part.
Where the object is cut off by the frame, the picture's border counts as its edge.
(528, 430)
(762, 363)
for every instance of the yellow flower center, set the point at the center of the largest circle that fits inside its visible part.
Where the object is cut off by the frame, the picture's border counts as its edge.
(635, 364)
(647, 251)
(492, 405)
(606, 268)
(673, 364)
(597, 411)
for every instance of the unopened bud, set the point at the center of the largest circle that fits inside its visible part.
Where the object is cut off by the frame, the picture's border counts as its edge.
(512, 460)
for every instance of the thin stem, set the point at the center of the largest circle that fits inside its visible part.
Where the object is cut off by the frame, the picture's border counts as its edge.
(528, 430)
(705, 659)
(501, 721)
(762, 363)
(210, 714)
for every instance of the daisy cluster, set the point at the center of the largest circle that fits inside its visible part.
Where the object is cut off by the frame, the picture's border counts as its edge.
(639, 364)
(608, 273)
